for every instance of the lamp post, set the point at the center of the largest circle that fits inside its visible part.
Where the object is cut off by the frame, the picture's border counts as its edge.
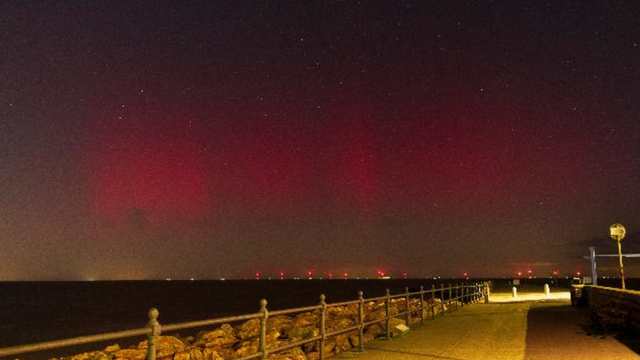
(618, 232)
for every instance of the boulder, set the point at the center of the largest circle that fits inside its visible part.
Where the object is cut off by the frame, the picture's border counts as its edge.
(248, 329)
(166, 346)
(293, 354)
(354, 339)
(250, 347)
(339, 312)
(223, 337)
(342, 342)
(131, 354)
(375, 330)
(297, 334)
(305, 320)
(210, 354)
(196, 354)
(182, 355)
(281, 324)
(112, 348)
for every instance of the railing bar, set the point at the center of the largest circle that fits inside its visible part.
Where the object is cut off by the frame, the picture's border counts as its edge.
(342, 331)
(375, 298)
(200, 323)
(248, 357)
(291, 311)
(72, 341)
(374, 322)
(293, 345)
(343, 303)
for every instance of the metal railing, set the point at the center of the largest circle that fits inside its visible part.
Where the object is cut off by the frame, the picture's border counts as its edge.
(458, 294)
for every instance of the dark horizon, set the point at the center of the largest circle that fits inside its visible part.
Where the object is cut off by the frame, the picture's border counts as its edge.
(166, 139)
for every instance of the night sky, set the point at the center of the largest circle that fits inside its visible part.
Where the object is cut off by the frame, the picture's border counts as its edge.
(208, 139)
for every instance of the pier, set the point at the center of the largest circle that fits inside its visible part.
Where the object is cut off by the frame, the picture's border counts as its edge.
(531, 326)
(457, 322)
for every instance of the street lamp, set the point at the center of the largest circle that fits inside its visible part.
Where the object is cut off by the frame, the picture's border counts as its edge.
(618, 232)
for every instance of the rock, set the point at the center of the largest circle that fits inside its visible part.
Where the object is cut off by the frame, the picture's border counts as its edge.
(131, 354)
(251, 346)
(112, 348)
(84, 356)
(342, 342)
(248, 329)
(223, 337)
(375, 330)
(196, 354)
(297, 334)
(101, 356)
(293, 354)
(281, 324)
(305, 320)
(166, 346)
(339, 312)
(338, 324)
(182, 355)
(354, 339)
(375, 314)
(210, 354)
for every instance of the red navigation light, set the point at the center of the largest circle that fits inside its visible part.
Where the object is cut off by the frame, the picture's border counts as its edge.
(405, 274)
(346, 274)
(555, 272)
(257, 275)
(465, 274)
(519, 273)
(310, 273)
(578, 273)
(281, 274)
(330, 275)
(529, 271)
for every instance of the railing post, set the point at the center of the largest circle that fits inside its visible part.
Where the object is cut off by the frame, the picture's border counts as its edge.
(433, 302)
(323, 332)
(442, 299)
(387, 304)
(154, 331)
(361, 321)
(472, 298)
(421, 304)
(262, 344)
(462, 297)
(450, 303)
(487, 292)
(477, 292)
(406, 300)
(457, 288)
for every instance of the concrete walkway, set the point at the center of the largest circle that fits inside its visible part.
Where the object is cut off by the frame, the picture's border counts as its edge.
(523, 330)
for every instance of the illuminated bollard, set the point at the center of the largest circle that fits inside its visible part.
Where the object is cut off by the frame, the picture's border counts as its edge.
(514, 292)
(546, 289)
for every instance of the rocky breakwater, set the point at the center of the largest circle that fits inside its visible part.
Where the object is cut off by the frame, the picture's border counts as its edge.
(233, 342)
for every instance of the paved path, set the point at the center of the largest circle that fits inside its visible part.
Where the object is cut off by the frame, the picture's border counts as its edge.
(526, 330)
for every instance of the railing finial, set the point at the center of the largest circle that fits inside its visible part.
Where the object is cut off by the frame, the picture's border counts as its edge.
(360, 295)
(154, 331)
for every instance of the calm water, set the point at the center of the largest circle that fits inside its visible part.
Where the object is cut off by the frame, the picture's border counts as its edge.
(41, 311)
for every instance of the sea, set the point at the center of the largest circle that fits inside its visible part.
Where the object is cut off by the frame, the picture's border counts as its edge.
(33, 311)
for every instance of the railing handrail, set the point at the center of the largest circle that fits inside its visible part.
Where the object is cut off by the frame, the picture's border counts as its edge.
(153, 328)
